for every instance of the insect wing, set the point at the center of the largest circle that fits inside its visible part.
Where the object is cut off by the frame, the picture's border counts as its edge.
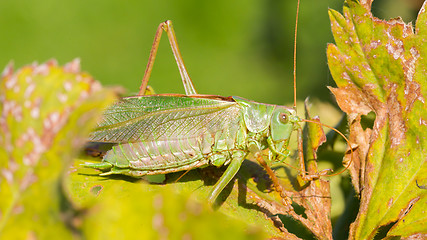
(150, 118)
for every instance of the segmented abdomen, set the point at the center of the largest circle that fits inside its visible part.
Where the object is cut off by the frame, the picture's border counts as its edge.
(155, 157)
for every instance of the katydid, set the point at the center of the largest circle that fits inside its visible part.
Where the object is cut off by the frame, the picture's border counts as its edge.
(164, 133)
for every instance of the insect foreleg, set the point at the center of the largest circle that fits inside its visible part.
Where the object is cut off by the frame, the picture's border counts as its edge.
(231, 171)
(275, 152)
(186, 80)
(256, 151)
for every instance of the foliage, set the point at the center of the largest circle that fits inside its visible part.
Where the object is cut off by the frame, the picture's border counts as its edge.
(46, 113)
(379, 66)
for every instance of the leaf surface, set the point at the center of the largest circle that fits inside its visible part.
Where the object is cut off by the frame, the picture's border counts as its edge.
(116, 205)
(46, 113)
(380, 66)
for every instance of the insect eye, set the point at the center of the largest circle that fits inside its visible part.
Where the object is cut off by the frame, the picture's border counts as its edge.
(283, 118)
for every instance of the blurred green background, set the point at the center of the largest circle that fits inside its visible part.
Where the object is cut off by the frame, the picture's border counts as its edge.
(241, 47)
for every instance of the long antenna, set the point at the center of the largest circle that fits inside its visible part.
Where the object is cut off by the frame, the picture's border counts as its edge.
(295, 57)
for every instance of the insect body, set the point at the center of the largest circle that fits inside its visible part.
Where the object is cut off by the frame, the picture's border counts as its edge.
(158, 134)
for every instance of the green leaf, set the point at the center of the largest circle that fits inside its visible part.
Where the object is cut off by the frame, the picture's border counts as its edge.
(47, 112)
(124, 208)
(379, 66)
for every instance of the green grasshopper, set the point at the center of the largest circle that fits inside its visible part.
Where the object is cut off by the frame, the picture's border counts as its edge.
(164, 133)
